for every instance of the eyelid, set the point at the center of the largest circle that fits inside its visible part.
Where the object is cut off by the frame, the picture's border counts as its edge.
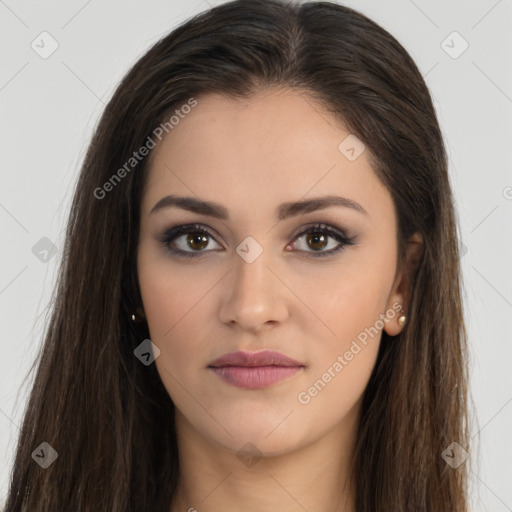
(323, 226)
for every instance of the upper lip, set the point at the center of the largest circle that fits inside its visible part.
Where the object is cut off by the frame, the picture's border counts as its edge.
(261, 358)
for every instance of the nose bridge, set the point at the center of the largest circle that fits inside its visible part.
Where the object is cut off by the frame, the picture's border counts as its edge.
(254, 297)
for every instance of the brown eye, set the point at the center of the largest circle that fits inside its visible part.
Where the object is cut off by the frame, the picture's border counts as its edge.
(197, 241)
(316, 241)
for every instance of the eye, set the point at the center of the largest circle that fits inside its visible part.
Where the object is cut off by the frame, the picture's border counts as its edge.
(197, 238)
(317, 238)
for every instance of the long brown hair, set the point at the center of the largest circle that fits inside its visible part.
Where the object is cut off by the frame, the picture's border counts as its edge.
(108, 416)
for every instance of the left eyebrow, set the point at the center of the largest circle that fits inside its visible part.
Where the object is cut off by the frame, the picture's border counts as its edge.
(284, 211)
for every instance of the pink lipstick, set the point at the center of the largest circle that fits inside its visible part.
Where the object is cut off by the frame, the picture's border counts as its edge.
(254, 370)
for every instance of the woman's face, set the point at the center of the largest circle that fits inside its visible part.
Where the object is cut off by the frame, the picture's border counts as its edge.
(264, 277)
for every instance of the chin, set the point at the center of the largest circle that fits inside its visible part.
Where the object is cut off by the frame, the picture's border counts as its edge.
(259, 443)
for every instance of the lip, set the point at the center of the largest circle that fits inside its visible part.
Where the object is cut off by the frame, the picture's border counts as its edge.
(254, 370)
(251, 359)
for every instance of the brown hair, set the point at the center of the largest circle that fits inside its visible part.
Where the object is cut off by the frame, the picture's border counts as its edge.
(107, 415)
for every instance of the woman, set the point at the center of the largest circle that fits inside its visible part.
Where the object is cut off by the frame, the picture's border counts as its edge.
(259, 307)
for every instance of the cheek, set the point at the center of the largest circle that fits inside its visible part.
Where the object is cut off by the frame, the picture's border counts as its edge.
(342, 363)
(346, 302)
(352, 312)
(174, 301)
(160, 295)
(169, 291)
(349, 303)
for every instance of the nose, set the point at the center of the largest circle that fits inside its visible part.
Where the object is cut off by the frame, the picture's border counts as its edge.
(256, 298)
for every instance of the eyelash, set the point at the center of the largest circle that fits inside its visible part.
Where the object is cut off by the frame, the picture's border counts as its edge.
(172, 233)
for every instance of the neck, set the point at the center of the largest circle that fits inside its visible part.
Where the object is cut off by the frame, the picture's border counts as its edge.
(315, 477)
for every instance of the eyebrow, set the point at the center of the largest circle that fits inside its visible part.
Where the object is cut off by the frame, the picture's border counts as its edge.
(284, 211)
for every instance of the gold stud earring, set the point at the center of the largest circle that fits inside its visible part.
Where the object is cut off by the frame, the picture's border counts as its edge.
(401, 320)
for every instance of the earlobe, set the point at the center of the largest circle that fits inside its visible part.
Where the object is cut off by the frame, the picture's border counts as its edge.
(395, 324)
(403, 286)
(138, 316)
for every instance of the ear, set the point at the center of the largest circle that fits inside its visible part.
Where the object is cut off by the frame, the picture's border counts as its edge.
(403, 283)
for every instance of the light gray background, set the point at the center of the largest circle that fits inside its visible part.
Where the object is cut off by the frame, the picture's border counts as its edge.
(50, 107)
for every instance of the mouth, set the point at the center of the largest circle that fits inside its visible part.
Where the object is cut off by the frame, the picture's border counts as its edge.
(255, 370)
(255, 377)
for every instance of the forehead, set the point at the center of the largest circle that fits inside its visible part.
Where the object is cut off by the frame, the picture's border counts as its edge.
(276, 146)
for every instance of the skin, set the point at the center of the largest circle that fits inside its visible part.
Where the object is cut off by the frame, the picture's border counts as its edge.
(252, 155)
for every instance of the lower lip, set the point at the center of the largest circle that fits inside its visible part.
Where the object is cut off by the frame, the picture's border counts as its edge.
(255, 377)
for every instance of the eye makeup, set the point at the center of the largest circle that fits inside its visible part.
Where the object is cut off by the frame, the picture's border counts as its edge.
(198, 234)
